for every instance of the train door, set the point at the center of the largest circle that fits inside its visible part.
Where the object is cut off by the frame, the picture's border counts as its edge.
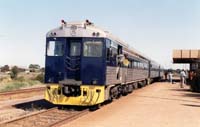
(93, 62)
(150, 65)
(54, 62)
(120, 75)
(159, 75)
(73, 58)
(119, 49)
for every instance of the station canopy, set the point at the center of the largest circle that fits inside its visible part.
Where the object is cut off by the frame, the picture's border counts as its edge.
(186, 56)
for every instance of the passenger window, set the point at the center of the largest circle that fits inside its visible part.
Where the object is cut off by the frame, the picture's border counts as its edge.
(135, 64)
(75, 49)
(132, 64)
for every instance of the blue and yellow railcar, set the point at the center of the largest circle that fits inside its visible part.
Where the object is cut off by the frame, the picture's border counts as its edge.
(86, 65)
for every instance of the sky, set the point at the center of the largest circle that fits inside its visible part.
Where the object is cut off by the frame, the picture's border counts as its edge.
(154, 27)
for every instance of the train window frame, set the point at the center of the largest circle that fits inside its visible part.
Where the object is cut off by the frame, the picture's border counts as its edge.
(51, 48)
(114, 44)
(92, 54)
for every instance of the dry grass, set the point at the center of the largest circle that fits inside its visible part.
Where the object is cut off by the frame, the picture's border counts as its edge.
(14, 85)
(24, 80)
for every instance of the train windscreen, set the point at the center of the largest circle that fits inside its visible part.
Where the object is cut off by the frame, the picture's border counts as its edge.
(92, 49)
(55, 48)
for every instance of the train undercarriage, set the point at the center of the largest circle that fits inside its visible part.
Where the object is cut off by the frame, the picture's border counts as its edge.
(90, 95)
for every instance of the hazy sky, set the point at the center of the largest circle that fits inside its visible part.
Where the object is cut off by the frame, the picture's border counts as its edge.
(153, 27)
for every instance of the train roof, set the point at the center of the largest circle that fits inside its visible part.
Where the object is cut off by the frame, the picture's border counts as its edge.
(88, 29)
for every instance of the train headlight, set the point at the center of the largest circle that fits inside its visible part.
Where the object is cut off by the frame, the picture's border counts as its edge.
(94, 82)
(50, 80)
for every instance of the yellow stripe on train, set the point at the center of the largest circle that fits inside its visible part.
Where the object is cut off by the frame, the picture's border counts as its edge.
(90, 95)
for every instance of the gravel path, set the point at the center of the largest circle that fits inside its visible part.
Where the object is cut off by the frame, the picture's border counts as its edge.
(157, 105)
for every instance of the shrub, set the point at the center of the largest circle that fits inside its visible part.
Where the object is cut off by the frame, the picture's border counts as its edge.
(14, 72)
(40, 77)
(21, 79)
(5, 68)
(13, 86)
(17, 85)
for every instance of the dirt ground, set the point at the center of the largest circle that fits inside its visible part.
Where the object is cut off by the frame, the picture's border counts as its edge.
(156, 105)
(8, 112)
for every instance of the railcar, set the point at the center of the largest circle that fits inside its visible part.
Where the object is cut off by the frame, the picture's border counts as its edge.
(86, 65)
(156, 71)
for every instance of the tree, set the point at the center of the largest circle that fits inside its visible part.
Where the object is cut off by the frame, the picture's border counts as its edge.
(42, 69)
(5, 68)
(34, 67)
(40, 77)
(14, 72)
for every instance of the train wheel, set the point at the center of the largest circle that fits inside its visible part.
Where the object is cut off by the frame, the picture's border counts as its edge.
(125, 90)
(130, 88)
(114, 93)
(139, 85)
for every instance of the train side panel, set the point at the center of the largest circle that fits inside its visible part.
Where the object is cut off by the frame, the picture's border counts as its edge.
(125, 75)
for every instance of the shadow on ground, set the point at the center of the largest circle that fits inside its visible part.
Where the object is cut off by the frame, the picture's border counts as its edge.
(163, 98)
(191, 105)
(186, 90)
(187, 93)
(43, 104)
(34, 105)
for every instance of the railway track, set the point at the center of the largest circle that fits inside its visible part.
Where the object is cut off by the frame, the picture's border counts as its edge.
(20, 93)
(49, 118)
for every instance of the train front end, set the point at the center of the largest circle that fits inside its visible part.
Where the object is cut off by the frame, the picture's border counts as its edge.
(75, 65)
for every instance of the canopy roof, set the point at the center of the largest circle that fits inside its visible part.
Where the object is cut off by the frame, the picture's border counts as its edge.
(186, 56)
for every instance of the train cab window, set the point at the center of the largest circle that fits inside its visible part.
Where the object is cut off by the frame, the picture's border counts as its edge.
(75, 49)
(92, 49)
(108, 50)
(55, 48)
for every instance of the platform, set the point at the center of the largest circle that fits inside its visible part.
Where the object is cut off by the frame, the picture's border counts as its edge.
(157, 105)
